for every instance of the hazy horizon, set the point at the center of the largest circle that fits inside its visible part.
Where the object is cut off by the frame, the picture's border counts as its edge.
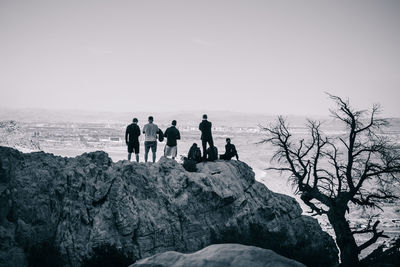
(177, 111)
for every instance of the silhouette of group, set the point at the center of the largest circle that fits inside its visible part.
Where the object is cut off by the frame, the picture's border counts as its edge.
(153, 133)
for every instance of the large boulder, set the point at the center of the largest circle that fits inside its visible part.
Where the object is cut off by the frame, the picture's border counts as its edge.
(88, 201)
(223, 255)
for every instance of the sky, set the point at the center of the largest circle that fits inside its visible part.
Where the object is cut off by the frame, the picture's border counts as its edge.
(271, 57)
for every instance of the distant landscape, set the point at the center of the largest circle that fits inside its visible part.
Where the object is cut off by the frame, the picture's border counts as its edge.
(71, 133)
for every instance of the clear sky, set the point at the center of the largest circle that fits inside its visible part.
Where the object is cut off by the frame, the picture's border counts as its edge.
(252, 56)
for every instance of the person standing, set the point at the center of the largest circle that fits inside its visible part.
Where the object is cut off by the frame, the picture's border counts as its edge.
(132, 134)
(206, 136)
(172, 134)
(150, 142)
(230, 151)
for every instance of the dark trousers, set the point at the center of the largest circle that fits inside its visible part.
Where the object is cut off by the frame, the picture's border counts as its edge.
(225, 156)
(204, 144)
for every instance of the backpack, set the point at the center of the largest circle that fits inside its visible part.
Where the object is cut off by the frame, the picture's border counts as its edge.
(160, 135)
(212, 153)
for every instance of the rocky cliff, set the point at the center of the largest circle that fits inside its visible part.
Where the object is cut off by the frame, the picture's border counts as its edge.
(88, 201)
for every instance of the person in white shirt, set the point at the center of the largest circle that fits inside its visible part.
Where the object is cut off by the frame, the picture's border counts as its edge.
(150, 130)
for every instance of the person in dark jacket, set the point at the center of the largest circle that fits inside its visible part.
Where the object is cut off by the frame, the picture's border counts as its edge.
(172, 134)
(194, 153)
(132, 134)
(230, 151)
(206, 135)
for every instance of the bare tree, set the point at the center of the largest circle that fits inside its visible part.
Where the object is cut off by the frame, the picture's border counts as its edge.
(330, 172)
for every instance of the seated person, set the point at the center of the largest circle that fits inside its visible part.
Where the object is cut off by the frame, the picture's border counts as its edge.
(230, 151)
(194, 153)
(212, 153)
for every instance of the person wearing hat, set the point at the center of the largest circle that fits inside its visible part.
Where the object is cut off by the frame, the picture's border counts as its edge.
(132, 134)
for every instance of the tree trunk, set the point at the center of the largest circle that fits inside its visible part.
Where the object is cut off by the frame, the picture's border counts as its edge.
(344, 238)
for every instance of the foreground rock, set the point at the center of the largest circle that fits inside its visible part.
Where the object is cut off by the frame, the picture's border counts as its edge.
(88, 201)
(223, 255)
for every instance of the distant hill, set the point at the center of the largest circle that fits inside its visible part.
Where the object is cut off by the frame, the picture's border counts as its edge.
(234, 119)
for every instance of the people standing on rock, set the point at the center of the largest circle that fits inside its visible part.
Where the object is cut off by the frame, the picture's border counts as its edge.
(194, 153)
(172, 134)
(230, 151)
(132, 134)
(212, 153)
(150, 131)
(206, 136)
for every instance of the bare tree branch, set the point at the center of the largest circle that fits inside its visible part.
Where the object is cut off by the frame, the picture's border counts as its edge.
(331, 171)
(376, 234)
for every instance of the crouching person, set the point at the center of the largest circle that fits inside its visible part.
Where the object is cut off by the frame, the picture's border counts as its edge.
(194, 153)
(194, 157)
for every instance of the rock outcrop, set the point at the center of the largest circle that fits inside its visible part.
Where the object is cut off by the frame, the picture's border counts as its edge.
(226, 255)
(84, 202)
(13, 134)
